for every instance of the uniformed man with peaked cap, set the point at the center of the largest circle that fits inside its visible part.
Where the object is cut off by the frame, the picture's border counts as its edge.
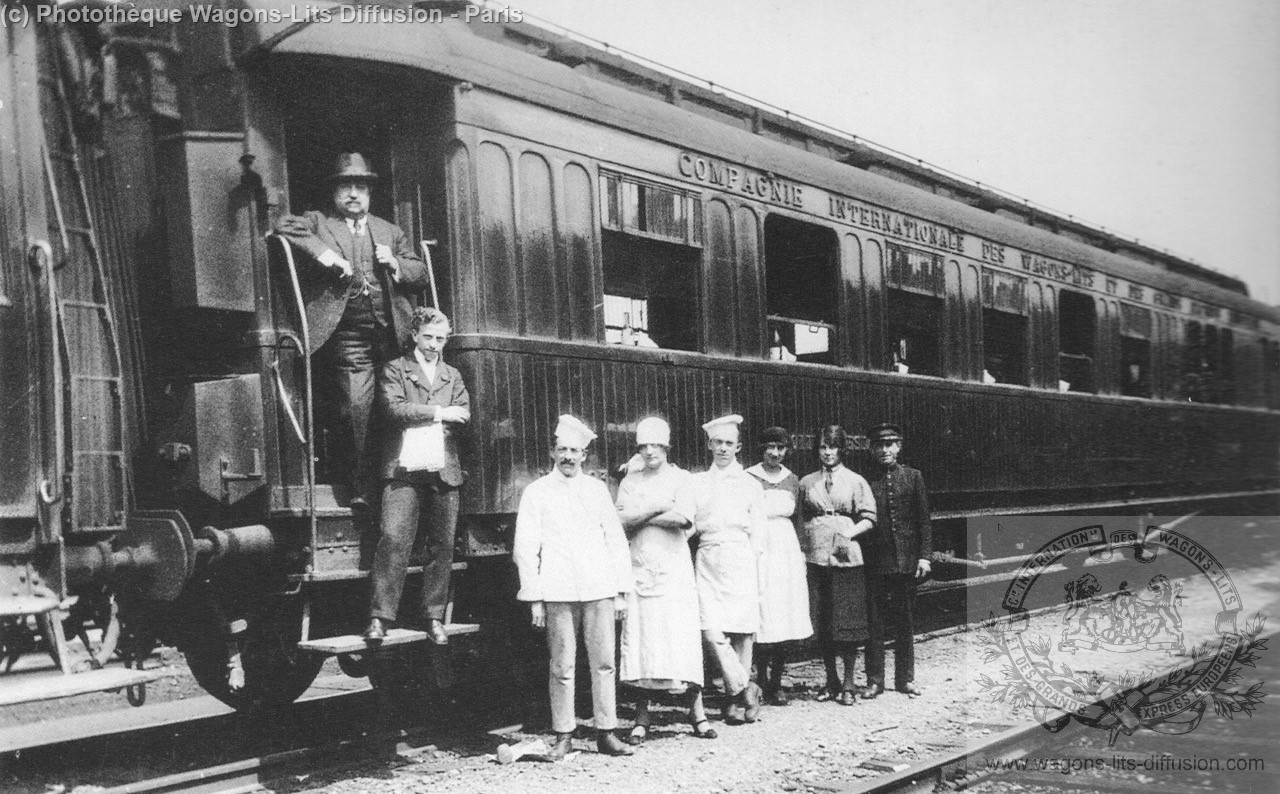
(896, 558)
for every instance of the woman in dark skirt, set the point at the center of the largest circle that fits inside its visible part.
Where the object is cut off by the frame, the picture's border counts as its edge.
(838, 506)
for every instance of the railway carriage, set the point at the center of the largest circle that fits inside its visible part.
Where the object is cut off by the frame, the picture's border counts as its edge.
(611, 241)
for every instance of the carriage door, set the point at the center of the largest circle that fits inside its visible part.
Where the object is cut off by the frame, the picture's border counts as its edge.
(30, 462)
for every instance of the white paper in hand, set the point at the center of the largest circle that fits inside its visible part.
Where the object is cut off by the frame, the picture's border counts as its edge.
(423, 448)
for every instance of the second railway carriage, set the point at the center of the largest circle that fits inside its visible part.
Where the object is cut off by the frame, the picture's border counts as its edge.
(609, 240)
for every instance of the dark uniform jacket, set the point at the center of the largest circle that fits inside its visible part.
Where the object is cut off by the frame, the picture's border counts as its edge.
(902, 534)
(407, 401)
(324, 291)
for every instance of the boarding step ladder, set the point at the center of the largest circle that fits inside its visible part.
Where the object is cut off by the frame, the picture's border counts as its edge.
(355, 644)
(338, 536)
(357, 656)
(94, 422)
(92, 425)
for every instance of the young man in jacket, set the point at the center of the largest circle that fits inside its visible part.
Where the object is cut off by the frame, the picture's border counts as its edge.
(424, 403)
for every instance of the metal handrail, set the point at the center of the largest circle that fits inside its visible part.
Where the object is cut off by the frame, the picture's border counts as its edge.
(41, 250)
(309, 399)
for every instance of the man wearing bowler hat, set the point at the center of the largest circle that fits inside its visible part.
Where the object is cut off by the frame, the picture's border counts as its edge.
(355, 284)
(897, 558)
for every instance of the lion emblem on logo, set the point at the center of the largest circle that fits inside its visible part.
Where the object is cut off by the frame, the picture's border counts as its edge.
(1134, 661)
(1123, 621)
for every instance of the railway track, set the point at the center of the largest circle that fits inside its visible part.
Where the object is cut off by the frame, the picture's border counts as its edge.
(1220, 755)
(219, 751)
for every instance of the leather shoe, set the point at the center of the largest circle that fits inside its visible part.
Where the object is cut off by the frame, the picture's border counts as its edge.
(910, 689)
(733, 713)
(776, 697)
(376, 632)
(608, 744)
(751, 703)
(359, 504)
(871, 691)
(438, 635)
(564, 743)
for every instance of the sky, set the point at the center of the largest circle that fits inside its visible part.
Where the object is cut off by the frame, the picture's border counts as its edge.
(1156, 119)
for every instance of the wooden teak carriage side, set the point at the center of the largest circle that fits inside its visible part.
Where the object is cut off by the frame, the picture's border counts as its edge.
(613, 243)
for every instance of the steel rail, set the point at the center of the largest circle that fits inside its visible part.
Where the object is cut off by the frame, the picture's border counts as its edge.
(957, 770)
(954, 770)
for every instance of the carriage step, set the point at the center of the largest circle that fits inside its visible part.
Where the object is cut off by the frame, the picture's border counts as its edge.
(354, 643)
(32, 687)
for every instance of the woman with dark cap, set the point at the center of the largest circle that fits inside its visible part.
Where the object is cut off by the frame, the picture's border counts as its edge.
(784, 596)
(838, 506)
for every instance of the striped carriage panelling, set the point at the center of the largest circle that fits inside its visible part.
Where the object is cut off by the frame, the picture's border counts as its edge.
(501, 294)
(873, 279)
(979, 447)
(534, 269)
(854, 321)
(582, 287)
(537, 247)
(720, 276)
(751, 308)
(460, 197)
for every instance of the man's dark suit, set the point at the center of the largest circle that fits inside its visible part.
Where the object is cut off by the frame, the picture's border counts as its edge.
(355, 328)
(326, 294)
(901, 538)
(409, 400)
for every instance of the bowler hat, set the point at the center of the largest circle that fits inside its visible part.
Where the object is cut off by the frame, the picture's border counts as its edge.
(351, 166)
(885, 432)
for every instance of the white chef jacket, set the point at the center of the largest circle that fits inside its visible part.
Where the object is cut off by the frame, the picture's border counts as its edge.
(570, 545)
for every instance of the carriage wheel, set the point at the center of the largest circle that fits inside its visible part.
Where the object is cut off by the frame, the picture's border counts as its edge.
(274, 671)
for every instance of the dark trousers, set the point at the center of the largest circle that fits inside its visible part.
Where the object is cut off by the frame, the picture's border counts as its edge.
(405, 502)
(350, 361)
(892, 607)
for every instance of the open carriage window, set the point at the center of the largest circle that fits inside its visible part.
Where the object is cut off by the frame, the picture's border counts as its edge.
(1271, 372)
(1135, 351)
(652, 252)
(914, 310)
(801, 286)
(1004, 328)
(1208, 369)
(1077, 324)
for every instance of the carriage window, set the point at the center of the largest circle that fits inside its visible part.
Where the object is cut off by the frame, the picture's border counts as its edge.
(1076, 334)
(1135, 351)
(1271, 372)
(651, 260)
(1195, 365)
(650, 292)
(914, 310)
(801, 286)
(650, 210)
(1226, 367)
(1004, 328)
(1208, 364)
(651, 247)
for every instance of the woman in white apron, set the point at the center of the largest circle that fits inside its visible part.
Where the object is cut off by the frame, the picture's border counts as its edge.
(661, 635)
(784, 592)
